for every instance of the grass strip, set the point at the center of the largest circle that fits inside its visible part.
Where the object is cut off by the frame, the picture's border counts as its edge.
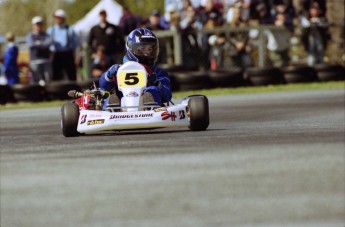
(208, 92)
(264, 89)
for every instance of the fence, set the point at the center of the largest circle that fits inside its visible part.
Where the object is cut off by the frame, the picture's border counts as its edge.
(188, 59)
(179, 48)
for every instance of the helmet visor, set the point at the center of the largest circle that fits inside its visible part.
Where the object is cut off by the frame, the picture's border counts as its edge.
(145, 50)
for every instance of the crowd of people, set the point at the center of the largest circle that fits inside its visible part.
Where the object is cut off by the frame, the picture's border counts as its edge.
(52, 51)
(234, 47)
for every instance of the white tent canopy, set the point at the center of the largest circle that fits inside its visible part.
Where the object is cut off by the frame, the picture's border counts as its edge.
(114, 13)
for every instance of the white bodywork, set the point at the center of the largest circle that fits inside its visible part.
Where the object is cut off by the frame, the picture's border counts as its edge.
(132, 79)
(94, 121)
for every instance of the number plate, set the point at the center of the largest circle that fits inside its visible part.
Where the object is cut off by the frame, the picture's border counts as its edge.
(131, 79)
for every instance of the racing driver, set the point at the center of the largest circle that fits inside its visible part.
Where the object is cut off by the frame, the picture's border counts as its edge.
(142, 46)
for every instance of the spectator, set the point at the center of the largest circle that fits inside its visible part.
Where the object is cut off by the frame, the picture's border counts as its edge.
(154, 21)
(240, 47)
(190, 48)
(154, 24)
(64, 43)
(187, 4)
(243, 5)
(143, 22)
(188, 22)
(165, 20)
(101, 62)
(260, 10)
(278, 42)
(10, 66)
(3, 80)
(38, 42)
(210, 16)
(219, 47)
(175, 20)
(108, 35)
(283, 7)
(128, 21)
(207, 17)
(315, 35)
(307, 4)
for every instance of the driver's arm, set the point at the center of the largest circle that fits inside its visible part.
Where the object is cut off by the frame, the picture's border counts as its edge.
(107, 81)
(163, 84)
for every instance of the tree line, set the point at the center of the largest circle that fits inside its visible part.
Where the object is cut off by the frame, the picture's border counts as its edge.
(16, 15)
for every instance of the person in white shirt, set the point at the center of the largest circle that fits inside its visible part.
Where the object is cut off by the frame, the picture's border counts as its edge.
(64, 43)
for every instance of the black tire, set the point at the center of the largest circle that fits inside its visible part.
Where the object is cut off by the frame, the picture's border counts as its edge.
(173, 83)
(328, 72)
(198, 112)
(191, 87)
(299, 74)
(172, 68)
(192, 80)
(69, 119)
(32, 92)
(264, 76)
(6, 94)
(87, 84)
(227, 78)
(59, 89)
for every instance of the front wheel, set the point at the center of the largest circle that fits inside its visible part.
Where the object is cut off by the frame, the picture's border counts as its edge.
(69, 119)
(198, 113)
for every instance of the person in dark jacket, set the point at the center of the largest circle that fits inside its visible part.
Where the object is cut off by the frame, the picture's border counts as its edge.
(143, 47)
(38, 42)
(315, 35)
(154, 21)
(129, 21)
(10, 66)
(108, 35)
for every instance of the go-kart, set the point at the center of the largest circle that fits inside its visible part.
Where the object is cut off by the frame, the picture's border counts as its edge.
(88, 114)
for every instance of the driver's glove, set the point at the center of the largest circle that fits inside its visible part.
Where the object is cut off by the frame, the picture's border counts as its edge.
(111, 72)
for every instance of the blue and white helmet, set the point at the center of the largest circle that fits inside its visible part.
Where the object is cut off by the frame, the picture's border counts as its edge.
(142, 46)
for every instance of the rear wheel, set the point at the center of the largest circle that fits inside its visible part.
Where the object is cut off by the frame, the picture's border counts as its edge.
(198, 113)
(69, 119)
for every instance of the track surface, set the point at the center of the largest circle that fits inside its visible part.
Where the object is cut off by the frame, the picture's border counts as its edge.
(266, 160)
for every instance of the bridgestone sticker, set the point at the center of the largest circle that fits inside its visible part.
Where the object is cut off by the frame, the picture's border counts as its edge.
(132, 116)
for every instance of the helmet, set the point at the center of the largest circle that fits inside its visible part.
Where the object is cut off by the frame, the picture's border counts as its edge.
(142, 46)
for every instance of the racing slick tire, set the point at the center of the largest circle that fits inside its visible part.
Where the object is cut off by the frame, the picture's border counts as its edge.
(198, 112)
(69, 119)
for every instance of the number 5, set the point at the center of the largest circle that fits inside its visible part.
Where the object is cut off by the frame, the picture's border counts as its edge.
(131, 78)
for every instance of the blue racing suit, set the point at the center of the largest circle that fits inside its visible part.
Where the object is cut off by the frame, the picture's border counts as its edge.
(10, 66)
(158, 82)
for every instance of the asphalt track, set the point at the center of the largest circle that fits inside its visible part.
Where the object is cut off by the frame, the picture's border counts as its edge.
(267, 160)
